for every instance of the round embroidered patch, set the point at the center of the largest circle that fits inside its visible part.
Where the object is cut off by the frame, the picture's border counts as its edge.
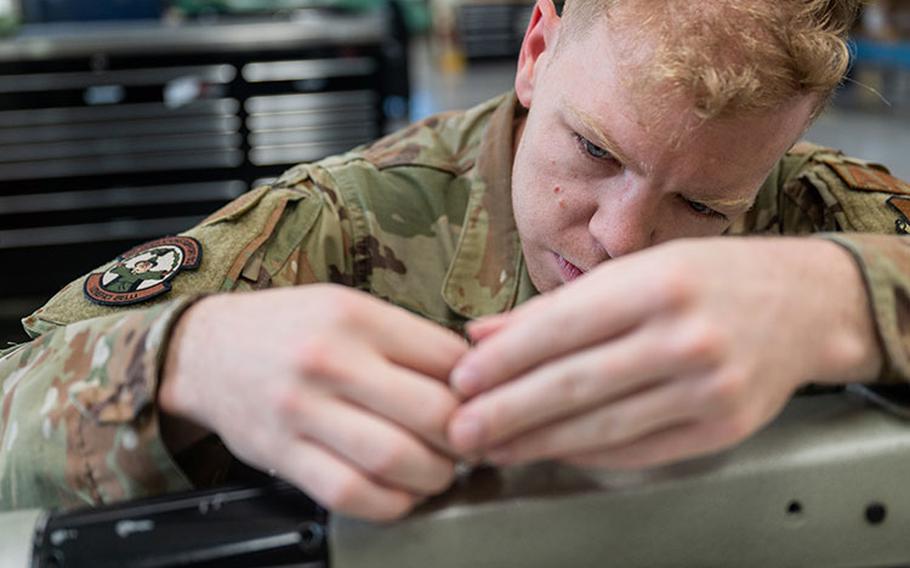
(144, 272)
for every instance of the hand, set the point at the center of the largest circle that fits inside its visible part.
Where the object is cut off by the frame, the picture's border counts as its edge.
(678, 351)
(340, 393)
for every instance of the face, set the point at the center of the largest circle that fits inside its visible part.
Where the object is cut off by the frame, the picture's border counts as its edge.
(142, 266)
(597, 174)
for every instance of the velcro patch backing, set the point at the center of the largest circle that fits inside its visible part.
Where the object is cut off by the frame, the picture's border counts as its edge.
(902, 204)
(868, 179)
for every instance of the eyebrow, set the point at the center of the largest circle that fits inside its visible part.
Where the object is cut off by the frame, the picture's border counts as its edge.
(734, 206)
(602, 138)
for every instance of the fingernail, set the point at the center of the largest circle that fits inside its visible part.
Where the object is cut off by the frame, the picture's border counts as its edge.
(465, 379)
(466, 433)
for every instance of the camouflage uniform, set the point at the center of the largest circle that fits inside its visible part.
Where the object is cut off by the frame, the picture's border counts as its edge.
(423, 219)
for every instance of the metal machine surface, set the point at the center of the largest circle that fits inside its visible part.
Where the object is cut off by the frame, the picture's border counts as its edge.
(824, 485)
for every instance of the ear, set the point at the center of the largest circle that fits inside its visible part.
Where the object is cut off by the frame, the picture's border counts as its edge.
(540, 39)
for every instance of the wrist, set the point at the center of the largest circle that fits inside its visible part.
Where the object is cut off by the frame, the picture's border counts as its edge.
(181, 421)
(850, 350)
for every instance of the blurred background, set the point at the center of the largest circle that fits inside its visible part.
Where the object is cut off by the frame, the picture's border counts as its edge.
(126, 120)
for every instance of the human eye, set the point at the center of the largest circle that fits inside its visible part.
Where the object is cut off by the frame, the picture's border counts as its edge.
(702, 210)
(593, 151)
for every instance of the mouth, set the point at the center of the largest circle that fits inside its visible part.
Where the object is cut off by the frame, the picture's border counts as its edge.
(567, 270)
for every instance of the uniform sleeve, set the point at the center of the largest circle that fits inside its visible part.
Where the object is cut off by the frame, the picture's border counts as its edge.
(864, 209)
(78, 419)
(77, 424)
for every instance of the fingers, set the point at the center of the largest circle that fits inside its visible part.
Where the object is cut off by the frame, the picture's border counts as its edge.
(566, 386)
(384, 451)
(614, 425)
(411, 341)
(338, 486)
(707, 432)
(684, 441)
(576, 316)
(417, 403)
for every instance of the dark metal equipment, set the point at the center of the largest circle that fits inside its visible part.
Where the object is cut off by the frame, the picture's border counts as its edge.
(73, 10)
(273, 525)
(492, 29)
(113, 134)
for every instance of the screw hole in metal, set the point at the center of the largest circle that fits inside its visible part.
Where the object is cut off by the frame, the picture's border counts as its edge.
(876, 513)
(311, 536)
(794, 508)
(54, 560)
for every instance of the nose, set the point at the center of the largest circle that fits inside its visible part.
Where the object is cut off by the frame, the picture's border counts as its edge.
(625, 220)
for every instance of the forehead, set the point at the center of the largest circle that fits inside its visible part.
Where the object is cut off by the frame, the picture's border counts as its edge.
(593, 83)
(727, 55)
(607, 62)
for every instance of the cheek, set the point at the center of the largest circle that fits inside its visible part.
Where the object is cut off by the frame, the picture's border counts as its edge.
(569, 201)
(548, 194)
(532, 186)
(528, 206)
(546, 203)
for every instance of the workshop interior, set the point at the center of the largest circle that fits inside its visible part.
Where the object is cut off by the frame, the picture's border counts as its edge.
(125, 120)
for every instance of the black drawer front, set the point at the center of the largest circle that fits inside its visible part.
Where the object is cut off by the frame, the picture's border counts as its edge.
(101, 152)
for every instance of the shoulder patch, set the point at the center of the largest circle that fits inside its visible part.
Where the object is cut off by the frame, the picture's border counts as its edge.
(143, 272)
(868, 179)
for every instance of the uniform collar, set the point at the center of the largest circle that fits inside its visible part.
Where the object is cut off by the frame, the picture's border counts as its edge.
(487, 272)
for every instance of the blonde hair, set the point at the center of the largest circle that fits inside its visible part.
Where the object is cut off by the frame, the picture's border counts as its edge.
(733, 56)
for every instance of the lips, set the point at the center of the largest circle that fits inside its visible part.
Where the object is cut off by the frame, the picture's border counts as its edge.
(568, 270)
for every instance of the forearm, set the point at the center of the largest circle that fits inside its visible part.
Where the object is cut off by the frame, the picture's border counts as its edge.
(176, 401)
(79, 424)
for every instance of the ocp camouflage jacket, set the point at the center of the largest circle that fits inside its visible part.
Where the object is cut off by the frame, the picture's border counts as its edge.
(421, 218)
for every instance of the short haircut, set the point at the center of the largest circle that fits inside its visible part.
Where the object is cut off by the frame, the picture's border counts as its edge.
(732, 56)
